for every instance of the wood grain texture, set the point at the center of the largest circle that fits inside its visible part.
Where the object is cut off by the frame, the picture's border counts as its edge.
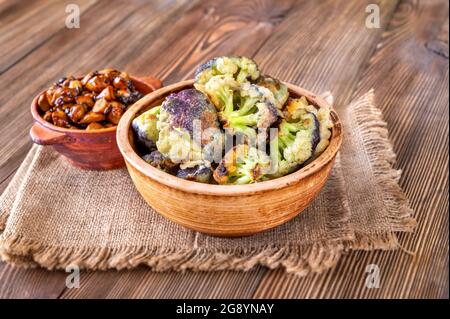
(324, 46)
(141, 283)
(27, 25)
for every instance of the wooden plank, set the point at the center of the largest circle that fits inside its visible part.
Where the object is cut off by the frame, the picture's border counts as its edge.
(29, 283)
(26, 25)
(142, 283)
(411, 85)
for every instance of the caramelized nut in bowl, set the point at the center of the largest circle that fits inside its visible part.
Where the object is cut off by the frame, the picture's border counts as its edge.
(95, 146)
(226, 210)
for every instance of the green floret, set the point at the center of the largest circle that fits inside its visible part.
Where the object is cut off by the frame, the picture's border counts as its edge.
(278, 89)
(295, 109)
(295, 143)
(146, 129)
(220, 91)
(254, 110)
(242, 165)
(242, 69)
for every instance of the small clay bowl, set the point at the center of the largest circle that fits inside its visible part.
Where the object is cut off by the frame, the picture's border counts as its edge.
(96, 149)
(226, 210)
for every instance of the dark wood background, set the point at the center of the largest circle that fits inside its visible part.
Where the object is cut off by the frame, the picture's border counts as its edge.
(319, 45)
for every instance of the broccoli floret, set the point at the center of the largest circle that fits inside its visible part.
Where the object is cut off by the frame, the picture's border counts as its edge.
(255, 110)
(156, 159)
(146, 129)
(188, 124)
(242, 69)
(295, 142)
(278, 89)
(242, 164)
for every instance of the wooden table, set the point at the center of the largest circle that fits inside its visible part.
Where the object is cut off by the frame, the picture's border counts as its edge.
(320, 45)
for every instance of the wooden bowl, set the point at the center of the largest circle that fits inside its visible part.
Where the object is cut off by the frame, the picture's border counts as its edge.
(95, 149)
(226, 210)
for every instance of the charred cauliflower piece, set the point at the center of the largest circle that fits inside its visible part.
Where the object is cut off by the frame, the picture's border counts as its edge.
(220, 90)
(255, 110)
(242, 69)
(156, 159)
(298, 137)
(145, 127)
(278, 89)
(242, 164)
(188, 127)
(296, 108)
(198, 173)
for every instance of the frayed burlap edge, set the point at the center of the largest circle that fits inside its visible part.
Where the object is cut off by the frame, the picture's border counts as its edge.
(298, 260)
(374, 134)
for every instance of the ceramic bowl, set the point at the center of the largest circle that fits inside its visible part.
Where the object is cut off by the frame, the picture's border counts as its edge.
(226, 210)
(96, 149)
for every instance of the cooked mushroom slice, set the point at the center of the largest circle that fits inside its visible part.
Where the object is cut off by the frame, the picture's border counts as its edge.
(107, 93)
(92, 117)
(85, 99)
(48, 117)
(63, 95)
(97, 83)
(87, 77)
(76, 85)
(115, 113)
(120, 83)
(76, 112)
(43, 103)
(59, 118)
(94, 126)
(127, 97)
(109, 73)
(100, 106)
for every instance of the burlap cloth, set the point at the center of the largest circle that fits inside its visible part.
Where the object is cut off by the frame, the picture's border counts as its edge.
(54, 215)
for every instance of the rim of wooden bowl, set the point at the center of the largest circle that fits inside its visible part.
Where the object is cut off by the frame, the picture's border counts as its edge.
(133, 159)
(38, 118)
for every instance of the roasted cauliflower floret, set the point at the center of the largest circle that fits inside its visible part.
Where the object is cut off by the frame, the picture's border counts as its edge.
(242, 164)
(278, 89)
(296, 108)
(156, 159)
(188, 127)
(296, 141)
(145, 127)
(220, 90)
(198, 173)
(254, 114)
(242, 69)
